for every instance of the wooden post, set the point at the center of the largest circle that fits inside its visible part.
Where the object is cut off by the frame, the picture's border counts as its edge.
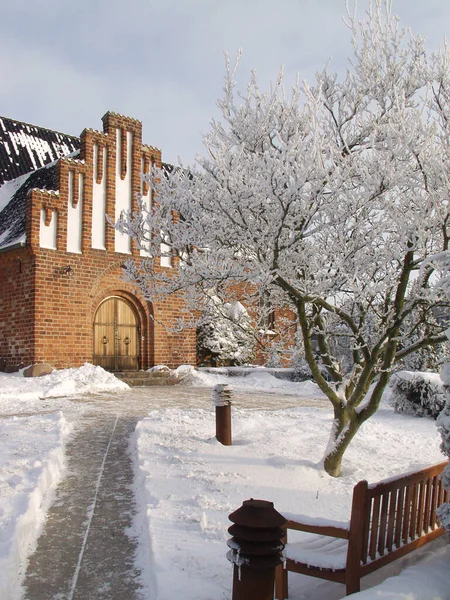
(281, 574)
(223, 424)
(221, 397)
(357, 537)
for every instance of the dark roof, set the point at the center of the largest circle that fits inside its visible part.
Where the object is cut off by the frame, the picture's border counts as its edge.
(25, 148)
(168, 168)
(12, 217)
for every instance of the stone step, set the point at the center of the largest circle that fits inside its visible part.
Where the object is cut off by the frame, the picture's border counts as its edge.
(147, 378)
(143, 374)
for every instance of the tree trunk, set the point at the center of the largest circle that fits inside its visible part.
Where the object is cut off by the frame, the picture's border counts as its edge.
(343, 434)
(332, 463)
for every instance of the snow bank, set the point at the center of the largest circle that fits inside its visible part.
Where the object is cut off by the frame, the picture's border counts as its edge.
(66, 382)
(256, 380)
(31, 465)
(429, 580)
(191, 483)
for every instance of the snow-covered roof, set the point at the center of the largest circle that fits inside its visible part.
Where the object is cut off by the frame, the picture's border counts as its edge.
(27, 160)
(13, 198)
(25, 148)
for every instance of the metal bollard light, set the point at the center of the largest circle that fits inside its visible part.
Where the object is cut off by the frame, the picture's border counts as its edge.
(256, 549)
(221, 398)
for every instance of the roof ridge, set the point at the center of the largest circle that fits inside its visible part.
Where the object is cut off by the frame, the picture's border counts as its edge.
(39, 127)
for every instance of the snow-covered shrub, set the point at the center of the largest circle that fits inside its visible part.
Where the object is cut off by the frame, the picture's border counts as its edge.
(427, 359)
(274, 358)
(443, 425)
(302, 372)
(224, 334)
(420, 394)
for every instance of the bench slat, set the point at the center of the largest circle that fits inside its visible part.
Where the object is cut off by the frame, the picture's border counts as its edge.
(366, 530)
(427, 507)
(391, 522)
(413, 516)
(420, 509)
(434, 502)
(443, 494)
(384, 515)
(399, 517)
(374, 527)
(406, 515)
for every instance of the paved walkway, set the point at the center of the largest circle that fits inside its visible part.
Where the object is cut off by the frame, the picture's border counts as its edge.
(85, 551)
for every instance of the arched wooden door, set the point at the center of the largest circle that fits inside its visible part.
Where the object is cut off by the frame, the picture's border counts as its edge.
(116, 336)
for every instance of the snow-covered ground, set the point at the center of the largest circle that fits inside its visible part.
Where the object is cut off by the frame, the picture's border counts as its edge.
(187, 483)
(32, 460)
(192, 483)
(31, 465)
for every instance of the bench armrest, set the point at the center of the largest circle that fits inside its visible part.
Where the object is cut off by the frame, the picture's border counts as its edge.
(318, 525)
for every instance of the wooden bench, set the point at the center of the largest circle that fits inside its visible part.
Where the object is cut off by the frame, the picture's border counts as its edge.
(388, 519)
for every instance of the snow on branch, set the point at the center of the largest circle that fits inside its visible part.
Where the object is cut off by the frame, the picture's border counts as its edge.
(333, 199)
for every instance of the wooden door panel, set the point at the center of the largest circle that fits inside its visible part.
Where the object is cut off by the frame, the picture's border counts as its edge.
(104, 340)
(127, 363)
(127, 347)
(116, 336)
(125, 315)
(127, 341)
(105, 312)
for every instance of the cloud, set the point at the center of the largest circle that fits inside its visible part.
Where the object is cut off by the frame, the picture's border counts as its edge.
(63, 65)
(45, 90)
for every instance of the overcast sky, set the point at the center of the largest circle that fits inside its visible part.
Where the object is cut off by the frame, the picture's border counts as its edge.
(63, 63)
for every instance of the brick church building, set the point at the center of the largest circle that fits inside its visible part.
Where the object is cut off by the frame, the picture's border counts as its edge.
(63, 299)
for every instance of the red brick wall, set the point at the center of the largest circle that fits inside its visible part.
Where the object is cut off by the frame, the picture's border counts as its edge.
(17, 307)
(284, 327)
(66, 306)
(53, 311)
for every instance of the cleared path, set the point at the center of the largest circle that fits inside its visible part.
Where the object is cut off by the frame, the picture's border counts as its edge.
(85, 551)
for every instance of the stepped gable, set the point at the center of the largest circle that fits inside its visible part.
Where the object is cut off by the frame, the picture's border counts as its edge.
(12, 217)
(28, 160)
(25, 148)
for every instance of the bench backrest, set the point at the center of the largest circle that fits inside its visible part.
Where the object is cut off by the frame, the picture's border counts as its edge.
(395, 512)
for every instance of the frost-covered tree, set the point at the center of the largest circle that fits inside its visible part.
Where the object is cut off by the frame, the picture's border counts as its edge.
(443, 421)
(428, 358)
(328, 200)
(443, 424)
(225, 333)
(440, 105)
